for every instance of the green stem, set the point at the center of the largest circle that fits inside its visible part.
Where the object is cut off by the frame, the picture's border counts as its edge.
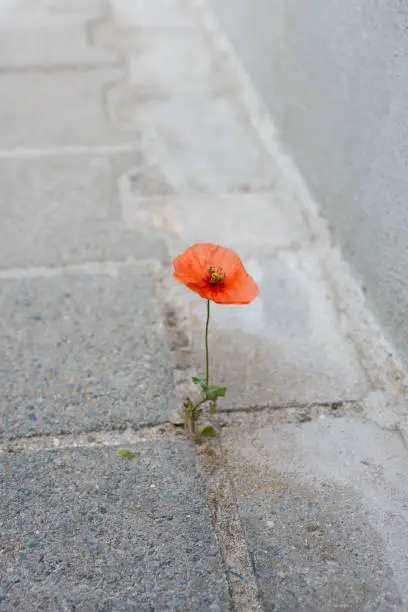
(193, 411)
(207, 367)
(200, 403)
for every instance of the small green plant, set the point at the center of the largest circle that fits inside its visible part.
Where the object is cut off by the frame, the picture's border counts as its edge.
(125, 453)
(218, 275)
(191, 411)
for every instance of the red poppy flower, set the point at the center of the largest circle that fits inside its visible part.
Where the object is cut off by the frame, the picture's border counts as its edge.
(216, 274)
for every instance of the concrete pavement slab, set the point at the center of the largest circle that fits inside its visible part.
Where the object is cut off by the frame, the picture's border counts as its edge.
(82, 529)
(323, 499)
(83, 352)
(154, 14)
(175, 61)
(56, 109)
(203, 143)
(60, 210)
(287, 346)
(253, 224)
(49, 33)
(49, 47)
(24, 13)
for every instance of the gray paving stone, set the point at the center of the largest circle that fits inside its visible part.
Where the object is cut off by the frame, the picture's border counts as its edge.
(157, 14)
(49, 46)
(85, 530)
(204, 143)
(175, 61)
(287, 346)
(24, 13)
(58, 109)
(48, 33)
(65, 210)
(250, 223)
(82, 352)
(323, 503)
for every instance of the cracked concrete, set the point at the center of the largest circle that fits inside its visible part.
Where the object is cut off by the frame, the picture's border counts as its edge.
(130, 130)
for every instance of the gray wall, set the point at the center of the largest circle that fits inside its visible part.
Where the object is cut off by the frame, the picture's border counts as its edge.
(334, 74)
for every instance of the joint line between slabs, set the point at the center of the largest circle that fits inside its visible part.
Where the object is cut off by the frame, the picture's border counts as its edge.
(90, 268)
(73, 150)
(291, 405)
(90, 439)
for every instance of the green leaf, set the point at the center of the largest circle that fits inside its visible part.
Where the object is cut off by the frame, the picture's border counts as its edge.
(198, 381)
(182, 415)
(208, 430)
(213, 407)
(125, 453)
(189, 406)
(213, 392)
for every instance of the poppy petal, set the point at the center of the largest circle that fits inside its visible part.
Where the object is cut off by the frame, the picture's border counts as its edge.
(235, 286)
(243, 291)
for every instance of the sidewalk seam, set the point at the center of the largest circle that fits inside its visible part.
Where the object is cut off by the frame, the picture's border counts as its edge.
(220, 496)
(124, 434)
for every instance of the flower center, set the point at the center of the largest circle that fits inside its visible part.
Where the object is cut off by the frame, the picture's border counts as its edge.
(215, 276)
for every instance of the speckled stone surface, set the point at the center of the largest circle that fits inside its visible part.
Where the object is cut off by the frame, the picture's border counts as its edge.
(76, 95)
(80, 353)
(86, 530)
(65, 210)
(323, 501)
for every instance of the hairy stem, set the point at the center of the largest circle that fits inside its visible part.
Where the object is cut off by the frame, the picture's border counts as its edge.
(193, 410)
(207, 367)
